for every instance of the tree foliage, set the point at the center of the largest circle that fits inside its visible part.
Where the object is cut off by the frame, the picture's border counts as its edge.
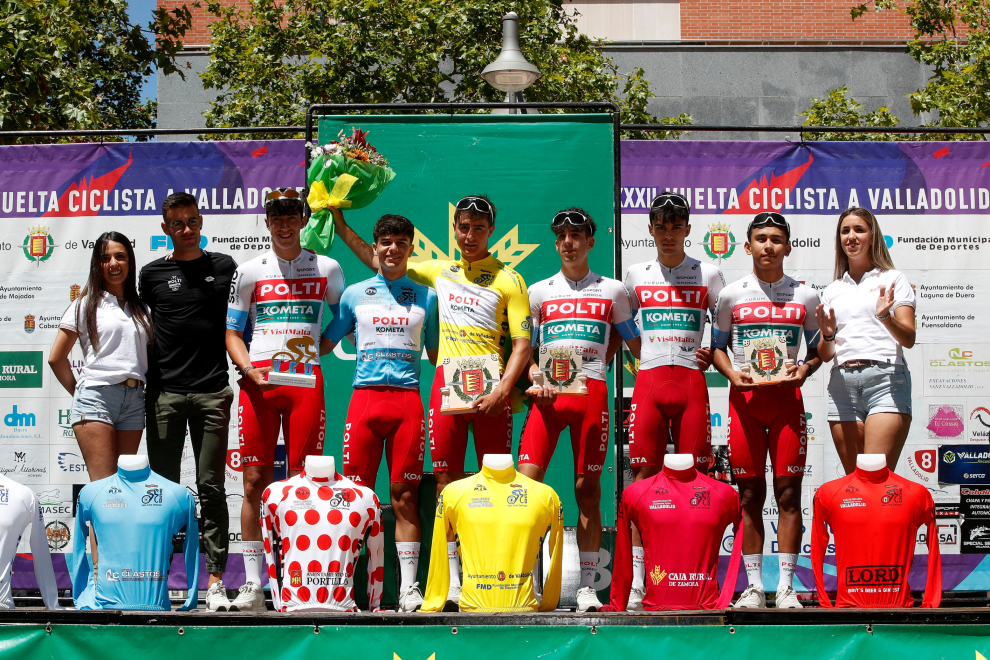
(270, 62)
(837, 109)
(953, 38)
(80, 64)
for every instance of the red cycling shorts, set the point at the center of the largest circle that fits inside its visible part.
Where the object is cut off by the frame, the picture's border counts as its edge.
(298, 410)
(587, 418)
(389, 417)
(772, 419)
(670, 401)
(448, 433)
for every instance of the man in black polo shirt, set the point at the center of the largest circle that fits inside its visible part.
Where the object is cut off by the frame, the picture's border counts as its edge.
(188, 374)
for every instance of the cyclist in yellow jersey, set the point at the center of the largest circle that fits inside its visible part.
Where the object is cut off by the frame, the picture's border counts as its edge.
(484, 308)
(501, 518)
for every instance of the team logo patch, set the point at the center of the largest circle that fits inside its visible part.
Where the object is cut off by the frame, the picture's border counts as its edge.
(370, 291)
(720, 243)
(295, 578)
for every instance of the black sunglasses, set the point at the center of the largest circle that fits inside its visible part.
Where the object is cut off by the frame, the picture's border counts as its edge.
(478, 204)
(767, 219)
(574, 219)
(669, 198)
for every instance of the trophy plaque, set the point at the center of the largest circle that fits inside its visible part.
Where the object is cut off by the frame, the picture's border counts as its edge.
(294, 366)
(560, 366)
(765, 359)
(467, 379)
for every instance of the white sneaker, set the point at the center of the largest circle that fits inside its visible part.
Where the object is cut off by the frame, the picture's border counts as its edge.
(411, 599)
(787, 599)
(216, 597)
(250, 598)
(635, 602)
(752, 597)
(587, 600)
(453, 603)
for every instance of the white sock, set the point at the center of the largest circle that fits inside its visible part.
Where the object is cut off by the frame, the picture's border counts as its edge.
(788, 562)
(254, 561)
(454, 562)
(639, 568)
(408, 562)
(589, 568)
(754, 570)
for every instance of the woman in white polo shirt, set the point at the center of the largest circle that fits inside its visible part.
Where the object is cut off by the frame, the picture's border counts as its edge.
(866, 319)
(112, 326)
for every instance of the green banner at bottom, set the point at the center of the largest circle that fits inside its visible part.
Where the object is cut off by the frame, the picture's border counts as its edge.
(292, 642)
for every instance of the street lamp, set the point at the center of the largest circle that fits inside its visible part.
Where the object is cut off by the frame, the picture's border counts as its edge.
(511, 72)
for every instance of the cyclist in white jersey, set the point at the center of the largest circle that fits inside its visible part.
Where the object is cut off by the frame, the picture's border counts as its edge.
(671, 296)
(767, 418)
(281, 293)
(576, 308)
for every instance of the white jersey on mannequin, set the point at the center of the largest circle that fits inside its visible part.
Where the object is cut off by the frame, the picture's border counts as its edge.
(18, 509)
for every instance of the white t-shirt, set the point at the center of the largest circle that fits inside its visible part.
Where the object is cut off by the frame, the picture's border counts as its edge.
(859, 335)
(123, 345)
(18, 509)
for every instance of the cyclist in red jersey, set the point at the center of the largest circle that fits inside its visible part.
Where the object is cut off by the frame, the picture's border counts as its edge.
(767, 418)
(498, 323)
(671, 297)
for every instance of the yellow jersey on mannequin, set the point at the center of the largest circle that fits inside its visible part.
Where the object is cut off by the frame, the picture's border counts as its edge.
(501, 518)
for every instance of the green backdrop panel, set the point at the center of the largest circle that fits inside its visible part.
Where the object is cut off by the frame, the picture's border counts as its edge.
(850, 642)
(531, 166)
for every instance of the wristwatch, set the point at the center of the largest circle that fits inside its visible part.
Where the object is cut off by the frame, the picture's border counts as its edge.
(244, 371)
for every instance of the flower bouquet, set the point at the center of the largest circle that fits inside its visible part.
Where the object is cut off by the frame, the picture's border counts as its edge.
(346, 174)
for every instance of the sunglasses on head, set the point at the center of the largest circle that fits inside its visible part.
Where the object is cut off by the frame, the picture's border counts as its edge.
(573, 219)
(671, 199)
(768, 219)
(291, 193)
(476, 203)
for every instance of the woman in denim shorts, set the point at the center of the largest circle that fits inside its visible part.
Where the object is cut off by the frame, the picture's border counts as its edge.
(113, 330)
(866, 319)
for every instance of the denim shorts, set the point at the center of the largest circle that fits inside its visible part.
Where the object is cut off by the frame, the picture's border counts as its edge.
(857, 392)
(118, 405)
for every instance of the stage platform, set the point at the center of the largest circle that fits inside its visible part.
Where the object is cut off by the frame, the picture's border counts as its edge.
(810, 634)
(729, 617)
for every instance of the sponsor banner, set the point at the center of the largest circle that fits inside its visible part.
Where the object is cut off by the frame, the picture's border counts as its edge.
(964, 464)
(946, 420)
(974, 502)
(67, 465)
(952, 370)
(978, 419)
(919, 463)
(975, 536)
(949, 537)
(24, 421)
(23, 371)
(26, 464)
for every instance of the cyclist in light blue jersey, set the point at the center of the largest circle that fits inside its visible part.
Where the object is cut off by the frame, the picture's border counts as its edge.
(393, 319)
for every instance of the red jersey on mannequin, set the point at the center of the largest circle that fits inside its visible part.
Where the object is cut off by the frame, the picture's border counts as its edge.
(874, 517)
(681, 515)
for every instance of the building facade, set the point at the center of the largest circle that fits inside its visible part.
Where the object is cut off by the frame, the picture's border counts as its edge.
(725, 62)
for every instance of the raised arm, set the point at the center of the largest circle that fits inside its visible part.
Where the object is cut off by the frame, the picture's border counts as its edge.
(360, 247)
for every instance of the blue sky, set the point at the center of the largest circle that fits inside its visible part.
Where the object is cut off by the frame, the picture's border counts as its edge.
(140, 11)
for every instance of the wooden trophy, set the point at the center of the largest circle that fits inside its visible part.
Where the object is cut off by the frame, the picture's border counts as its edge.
(294, 366)
(465, 380)
(765, 359)
(561, 367)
